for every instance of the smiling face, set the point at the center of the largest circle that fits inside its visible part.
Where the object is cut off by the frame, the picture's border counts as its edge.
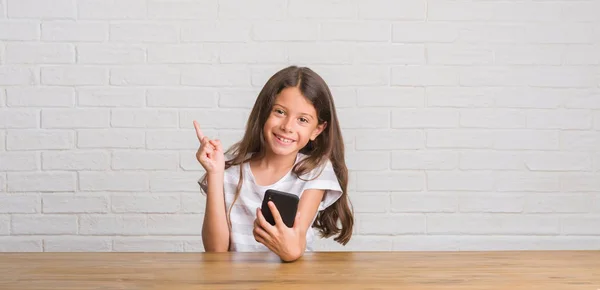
(292, 122)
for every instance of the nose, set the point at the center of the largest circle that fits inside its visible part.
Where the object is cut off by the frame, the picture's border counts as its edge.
(287, 124)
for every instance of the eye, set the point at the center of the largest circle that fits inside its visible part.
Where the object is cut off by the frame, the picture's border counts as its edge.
(279, 111)
(303, 120)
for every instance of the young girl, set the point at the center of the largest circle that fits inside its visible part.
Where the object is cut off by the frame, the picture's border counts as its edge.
(292, 143)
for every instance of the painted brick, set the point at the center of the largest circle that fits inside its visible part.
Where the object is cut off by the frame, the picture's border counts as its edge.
(19, 30)
(580, 182)
(75, 160)
(19, 161)
(363, 161)
(558, 161)
(492, 160)
(16, 75)
(155, 203)
(181, 98)
(525, 181)
(135, 118)
(21, 244)
(94, 225)
(259, 9)
(75, 118)
(110, 97)
(44, 181)
(414, 75)
(39, 139)
(222, 31)
(110, 54)
(558, 203)
(183, 53)
(410, 202)
(485, 202)
(181, 225)
(392, 10)
(40, 97)
(40, 9)
(356, 31)
(145, 76)
(46, 224)
(219, 119)
(392, 224)
(320, 53)
(389, 140)
(177, 10)
(74, 75)
(74, 204)
(19, 119)
(357, 118)
(493, 118)
(77, 244)
(20, 203)
(329, 9)
(148, 160)
(236, 98)
(76, 31)
(390, 181)
(113, 181)
(424, 160)
(113, 9)
(580, 140)
(424, 118)
(162, 32)
(370, 202)
(391, 97)
(224, 76)
(46, 53)
(459, 138)
(465, 180)
(110, 138)
(160, 139)
(283, 31)
(174, 181)
(482, 224)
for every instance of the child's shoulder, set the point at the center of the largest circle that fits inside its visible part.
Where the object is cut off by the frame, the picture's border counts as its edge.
(325, 166)
(235, 168)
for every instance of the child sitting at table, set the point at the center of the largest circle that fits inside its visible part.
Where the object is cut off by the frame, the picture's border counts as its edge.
(292, 143)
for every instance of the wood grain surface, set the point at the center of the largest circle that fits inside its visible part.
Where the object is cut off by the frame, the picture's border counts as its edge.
(321, 270)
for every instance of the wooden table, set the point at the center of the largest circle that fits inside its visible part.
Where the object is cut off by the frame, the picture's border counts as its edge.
(546, 270)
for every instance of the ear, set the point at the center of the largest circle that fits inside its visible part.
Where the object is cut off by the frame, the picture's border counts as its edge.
(318, 131)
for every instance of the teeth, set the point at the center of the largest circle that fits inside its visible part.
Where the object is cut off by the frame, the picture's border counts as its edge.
(284, 140)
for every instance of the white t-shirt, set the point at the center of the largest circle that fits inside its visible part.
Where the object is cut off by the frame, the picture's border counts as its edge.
(251, 195)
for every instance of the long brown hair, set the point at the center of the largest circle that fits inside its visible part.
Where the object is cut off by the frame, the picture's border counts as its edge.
(329, 145)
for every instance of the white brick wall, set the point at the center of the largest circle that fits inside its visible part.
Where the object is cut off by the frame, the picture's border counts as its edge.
(469, 125)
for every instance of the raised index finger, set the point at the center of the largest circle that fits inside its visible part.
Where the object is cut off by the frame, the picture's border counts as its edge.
(198, 131)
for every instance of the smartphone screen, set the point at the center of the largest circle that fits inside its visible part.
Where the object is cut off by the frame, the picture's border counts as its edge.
(286, 203)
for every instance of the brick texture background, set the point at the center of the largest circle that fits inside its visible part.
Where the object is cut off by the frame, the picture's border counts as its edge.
(469, 125)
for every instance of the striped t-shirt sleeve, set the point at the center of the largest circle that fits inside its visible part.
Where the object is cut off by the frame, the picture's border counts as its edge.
(327, 181)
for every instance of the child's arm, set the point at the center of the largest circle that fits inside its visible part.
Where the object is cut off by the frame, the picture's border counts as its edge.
(215, 231)
(308, 207)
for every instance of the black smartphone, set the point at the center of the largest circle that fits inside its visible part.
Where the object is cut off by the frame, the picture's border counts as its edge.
(286, 203)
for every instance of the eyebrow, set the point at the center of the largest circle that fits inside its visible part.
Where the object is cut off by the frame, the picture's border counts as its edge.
(301, 113)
